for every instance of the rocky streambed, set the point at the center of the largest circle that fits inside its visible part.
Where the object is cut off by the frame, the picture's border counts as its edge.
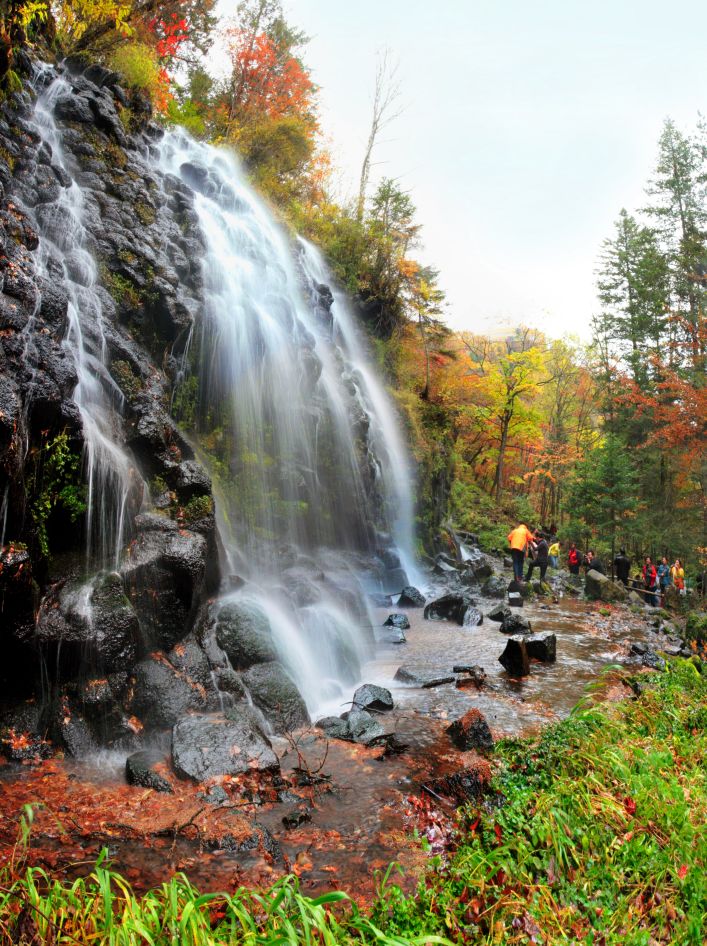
(330, 809)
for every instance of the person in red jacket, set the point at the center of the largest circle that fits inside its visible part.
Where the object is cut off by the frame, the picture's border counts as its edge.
(574, 559)
(650, 582)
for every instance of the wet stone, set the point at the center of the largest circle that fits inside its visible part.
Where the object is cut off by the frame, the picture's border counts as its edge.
(515, 599)
(399, 621)
(514, 658)
(140, 770)
(372, 697)
(499, 613)
(334, 728)
(411, 598)
(542, 647)
(421, 678)
(515, 624)
(454, 607)
(204, 747)
(471, 732)
(365, 729)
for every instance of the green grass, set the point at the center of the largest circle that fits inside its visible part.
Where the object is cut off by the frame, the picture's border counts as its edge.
(596, 836)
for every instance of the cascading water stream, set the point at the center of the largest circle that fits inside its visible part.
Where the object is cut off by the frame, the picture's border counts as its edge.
(64, 256)
(302, 445)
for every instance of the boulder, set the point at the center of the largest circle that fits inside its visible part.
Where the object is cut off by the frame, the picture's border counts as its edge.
(598, 587)
(140, 770)
(364, 728)
(499, 613)
(273, 691)
(494, 587)
(160, 694)
(457, 607)
(411, 598)
(515, 624)
(399, 621)
(515, 599)
(165, 578)
(419, 677)
(205, 747)
(92, 625)
(334, 727)
(514, 658)
(372, 697)
(243, 632)
(542, 647)
(471, 731)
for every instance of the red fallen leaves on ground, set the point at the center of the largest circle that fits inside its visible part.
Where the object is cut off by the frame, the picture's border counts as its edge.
(682, 871)
(630, 805)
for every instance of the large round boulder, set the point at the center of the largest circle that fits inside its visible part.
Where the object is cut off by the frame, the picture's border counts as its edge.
(598, 587)
(243, 632)
(273, 691)
(205, 747)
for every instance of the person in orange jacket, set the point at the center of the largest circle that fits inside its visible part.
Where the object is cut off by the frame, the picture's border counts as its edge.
(518, 540)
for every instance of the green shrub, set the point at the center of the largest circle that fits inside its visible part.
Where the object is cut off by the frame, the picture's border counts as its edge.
(138, 65)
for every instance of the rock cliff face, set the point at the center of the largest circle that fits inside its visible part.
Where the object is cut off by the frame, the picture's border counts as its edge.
(140, 278)
(74, 645)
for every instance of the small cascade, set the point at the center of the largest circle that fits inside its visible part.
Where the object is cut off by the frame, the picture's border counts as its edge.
(64, 256)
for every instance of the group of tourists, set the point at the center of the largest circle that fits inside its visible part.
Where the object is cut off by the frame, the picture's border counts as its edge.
(542, 548)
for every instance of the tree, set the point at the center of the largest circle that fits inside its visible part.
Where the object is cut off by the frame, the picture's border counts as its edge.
(633, 288)
(385, 97)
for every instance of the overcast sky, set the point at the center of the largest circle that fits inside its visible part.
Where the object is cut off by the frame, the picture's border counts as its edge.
(527, 126)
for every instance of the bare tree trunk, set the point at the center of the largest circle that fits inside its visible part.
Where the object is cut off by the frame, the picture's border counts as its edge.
(385, 95)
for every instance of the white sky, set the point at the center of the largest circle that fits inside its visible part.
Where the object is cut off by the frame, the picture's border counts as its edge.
(527, 126)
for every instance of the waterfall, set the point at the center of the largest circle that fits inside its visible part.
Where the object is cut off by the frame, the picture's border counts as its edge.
(65, 256)
(311, 481)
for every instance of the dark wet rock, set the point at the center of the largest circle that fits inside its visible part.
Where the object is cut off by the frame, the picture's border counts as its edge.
(454, 607)
(499, 613)
(216, 796)
(599, 587)
(275, 694)
(411, 598)
(399, 621)
(393, 635)
(419, 677)
(476, 676)
(494, 587)
(165, 577)
(140, 770)
(22, 733)
(94, 626)
(372, 697)
(334, 727)
(444, 567)
(471, 732)
(467, 784)
(479, 564)
(515, 624)
(365, 728)
(514, 658)
(73, 730)
(205, 747)
(160, 694)
(646, 656)
(395, 578)
(228, 681)
(515, 599)
(542, 647)
(243, 632)
(542, 589)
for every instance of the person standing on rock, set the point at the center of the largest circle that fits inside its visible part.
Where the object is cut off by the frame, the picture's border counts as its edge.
(573, 559)
(663, 572)
(554, 554)
(677, 573)
(541, 557)
(518, 540)
(650, 582)
(622, 566)
(594, 564)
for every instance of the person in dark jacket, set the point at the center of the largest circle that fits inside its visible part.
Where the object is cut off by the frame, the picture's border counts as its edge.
(622, 565)
(594, 564)
(541, 549)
